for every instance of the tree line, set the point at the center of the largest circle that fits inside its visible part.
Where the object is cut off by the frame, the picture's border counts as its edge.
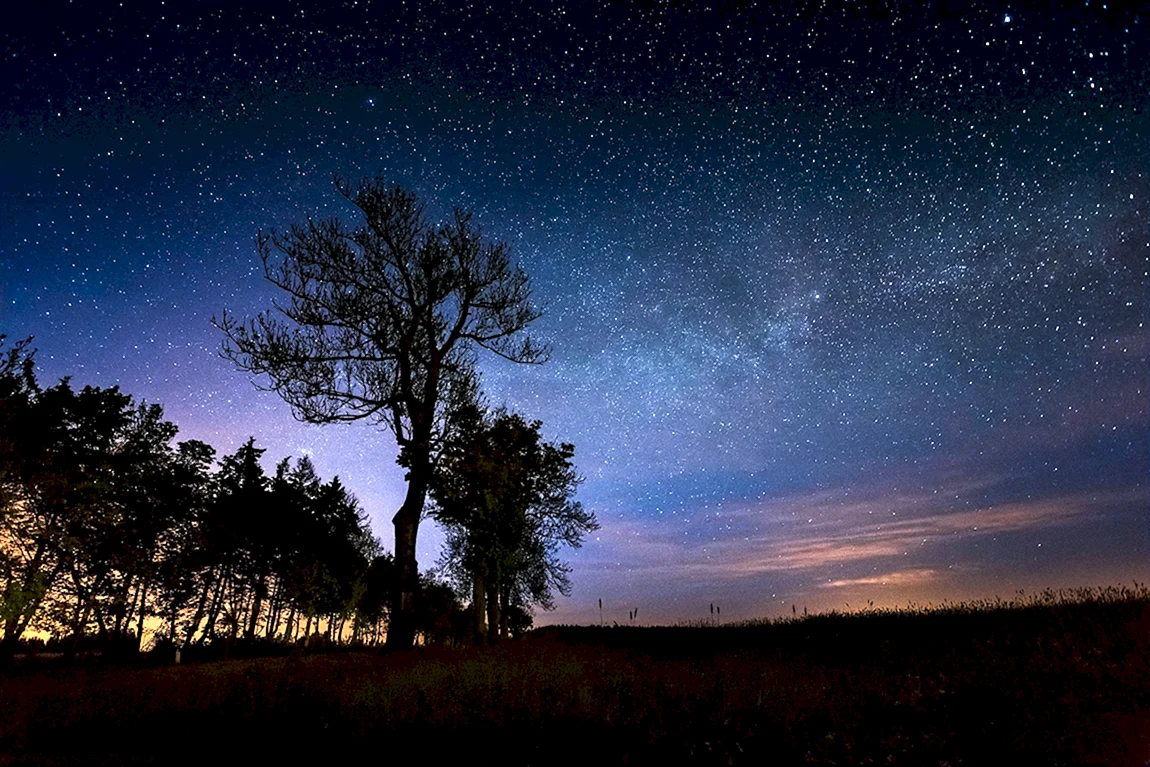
(105, 523)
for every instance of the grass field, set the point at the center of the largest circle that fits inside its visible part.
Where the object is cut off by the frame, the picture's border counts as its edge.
(1053, 679)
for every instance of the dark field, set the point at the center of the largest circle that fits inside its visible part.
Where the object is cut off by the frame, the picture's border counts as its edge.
(1054, 679)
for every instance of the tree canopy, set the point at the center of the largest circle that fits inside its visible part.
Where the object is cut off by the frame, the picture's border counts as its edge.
(505, 498)
(107, 523)
(381, 321)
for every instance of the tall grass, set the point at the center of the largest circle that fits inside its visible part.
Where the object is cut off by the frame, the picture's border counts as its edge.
(1052, 678)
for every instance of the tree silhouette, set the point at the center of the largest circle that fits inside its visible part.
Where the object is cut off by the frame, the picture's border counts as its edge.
(104, 524)
(25, 555)
(146, 502)
(381, 320)
(73, 515)
(326, 546)
(180, 572)
(93, 489)
(246, 522)
(377, 589)
(504, 497)
(440, 617)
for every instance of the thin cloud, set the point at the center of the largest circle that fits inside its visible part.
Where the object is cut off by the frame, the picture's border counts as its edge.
(896, 579)
(882, 528)
(814, 532)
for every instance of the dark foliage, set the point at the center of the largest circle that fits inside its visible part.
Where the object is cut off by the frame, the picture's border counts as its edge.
(382, 321)
(109, 530)
(505, 498)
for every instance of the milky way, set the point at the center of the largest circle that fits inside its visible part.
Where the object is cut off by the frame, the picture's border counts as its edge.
(846, 303)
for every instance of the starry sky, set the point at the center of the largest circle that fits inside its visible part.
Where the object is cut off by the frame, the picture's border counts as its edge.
(847, 301)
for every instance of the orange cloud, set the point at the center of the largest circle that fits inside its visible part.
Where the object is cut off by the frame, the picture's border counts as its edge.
(817, 531)
(897, 578)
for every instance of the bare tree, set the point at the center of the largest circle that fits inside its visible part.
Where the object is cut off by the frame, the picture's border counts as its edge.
(380, 322)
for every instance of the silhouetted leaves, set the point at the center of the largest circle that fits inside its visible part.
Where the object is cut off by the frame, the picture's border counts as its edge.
(109, 526)
(382, 320)
(504, 497)
(104, 523)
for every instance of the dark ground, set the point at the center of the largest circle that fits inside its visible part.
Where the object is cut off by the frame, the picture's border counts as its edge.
(1058, 680)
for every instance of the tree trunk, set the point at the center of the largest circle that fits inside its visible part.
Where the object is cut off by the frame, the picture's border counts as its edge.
(175, 614)
(505, 613)
(289, 629)
(79, 622)
(401, 629)
(479, 610)
(258, 599)
(221, 586)
(98, 611)
(275, 610)
(79, 616)
(493, 621)
(137, 598)
(10, 642)
(124, 608)
(199, 616)
(143, 613)
(15, 625)
(30, 583)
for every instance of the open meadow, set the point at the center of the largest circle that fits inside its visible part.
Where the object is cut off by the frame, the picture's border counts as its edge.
(1050, 679)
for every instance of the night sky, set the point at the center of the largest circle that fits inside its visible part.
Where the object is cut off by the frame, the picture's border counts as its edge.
(848, 302)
